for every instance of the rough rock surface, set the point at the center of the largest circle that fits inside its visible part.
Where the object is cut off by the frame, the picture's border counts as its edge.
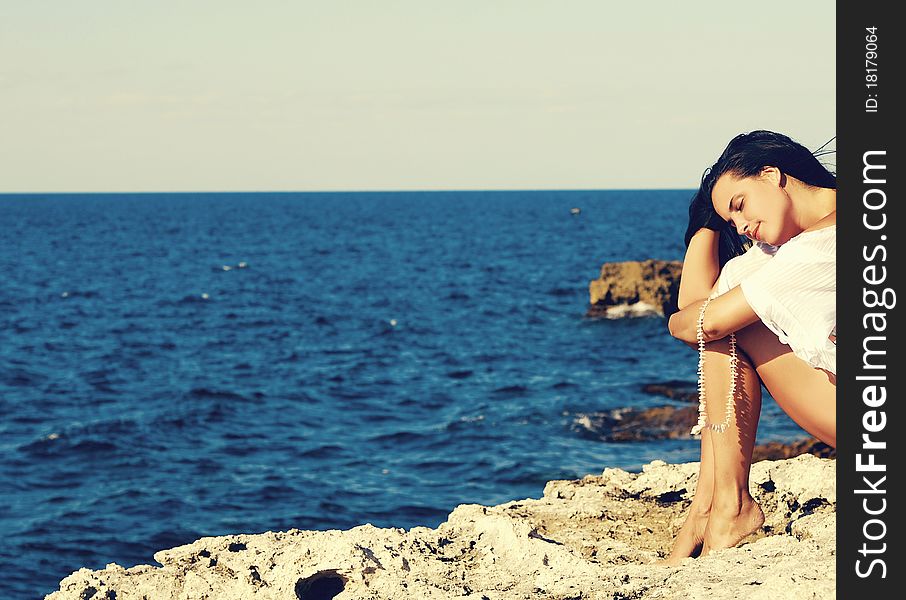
(635, 288)
(583, 539)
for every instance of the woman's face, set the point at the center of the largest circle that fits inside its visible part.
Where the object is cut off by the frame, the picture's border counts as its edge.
(758, 207)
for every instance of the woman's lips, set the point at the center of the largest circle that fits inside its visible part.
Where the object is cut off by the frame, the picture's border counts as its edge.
(755, 232)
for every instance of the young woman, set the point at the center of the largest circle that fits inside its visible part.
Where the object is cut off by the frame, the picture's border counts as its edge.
(761, 311)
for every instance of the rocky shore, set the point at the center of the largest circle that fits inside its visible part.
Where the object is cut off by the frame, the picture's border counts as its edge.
(583, 539)
(590, 538)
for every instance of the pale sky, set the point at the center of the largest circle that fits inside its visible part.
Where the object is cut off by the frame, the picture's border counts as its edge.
(224, 95)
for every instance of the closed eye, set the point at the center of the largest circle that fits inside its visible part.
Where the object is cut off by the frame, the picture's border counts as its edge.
(737, 209)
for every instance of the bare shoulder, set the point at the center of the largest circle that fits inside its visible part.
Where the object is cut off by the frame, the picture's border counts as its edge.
(827, 221)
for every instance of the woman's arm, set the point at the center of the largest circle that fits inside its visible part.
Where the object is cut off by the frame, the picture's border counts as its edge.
(725, 314)
(700, 267)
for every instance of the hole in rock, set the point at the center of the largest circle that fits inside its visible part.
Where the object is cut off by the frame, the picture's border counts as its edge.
(323, 585)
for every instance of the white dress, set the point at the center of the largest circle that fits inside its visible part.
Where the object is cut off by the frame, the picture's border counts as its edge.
(793, 290)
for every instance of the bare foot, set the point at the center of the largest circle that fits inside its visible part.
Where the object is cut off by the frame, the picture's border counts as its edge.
(726, 528)
(689, 540)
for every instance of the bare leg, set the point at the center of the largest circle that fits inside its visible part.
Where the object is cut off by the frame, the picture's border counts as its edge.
(734, 513)
(691, 535)
(725, 459)
(806, 394)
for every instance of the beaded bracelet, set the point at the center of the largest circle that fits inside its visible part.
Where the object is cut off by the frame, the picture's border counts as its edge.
(731, 395)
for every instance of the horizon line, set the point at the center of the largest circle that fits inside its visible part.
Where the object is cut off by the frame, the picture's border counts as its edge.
(347, 191)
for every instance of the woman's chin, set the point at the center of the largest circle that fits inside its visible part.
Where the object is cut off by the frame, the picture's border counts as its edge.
(780, 240)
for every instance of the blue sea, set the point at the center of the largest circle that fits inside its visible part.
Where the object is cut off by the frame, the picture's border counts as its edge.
(175, 366)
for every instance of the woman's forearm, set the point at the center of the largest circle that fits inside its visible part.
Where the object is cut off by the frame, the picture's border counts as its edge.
(683, 324)
(701, 267)
(725, 314)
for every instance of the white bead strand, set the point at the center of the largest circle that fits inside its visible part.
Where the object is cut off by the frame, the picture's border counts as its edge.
(731, 394)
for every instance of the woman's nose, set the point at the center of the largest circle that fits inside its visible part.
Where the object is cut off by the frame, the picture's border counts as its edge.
(742, 228)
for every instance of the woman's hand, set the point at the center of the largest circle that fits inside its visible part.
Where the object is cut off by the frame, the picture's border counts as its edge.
(702, 216)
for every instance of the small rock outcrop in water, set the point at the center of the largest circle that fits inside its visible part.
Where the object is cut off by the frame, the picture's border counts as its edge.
(779, 450)
(674, 423)
(590, 538)
(635, 288)
(687, 391)
(630, 424)
(637, 424)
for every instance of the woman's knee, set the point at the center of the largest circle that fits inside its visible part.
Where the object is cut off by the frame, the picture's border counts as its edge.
(806, 394)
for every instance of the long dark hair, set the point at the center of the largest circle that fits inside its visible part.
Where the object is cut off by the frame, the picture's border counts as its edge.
(745, 156)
